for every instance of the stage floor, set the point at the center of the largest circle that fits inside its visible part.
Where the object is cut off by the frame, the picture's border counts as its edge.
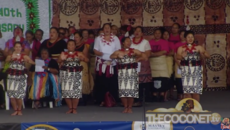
(213, 101)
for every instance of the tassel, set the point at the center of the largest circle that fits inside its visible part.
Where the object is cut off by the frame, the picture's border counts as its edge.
(18, 39)
(127, 34)
(71, 37)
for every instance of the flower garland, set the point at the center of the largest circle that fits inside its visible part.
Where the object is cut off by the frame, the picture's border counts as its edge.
(71, 55)
(138, 41)
(52, 44)
(105, 41)
(190, 50)
(131, 51)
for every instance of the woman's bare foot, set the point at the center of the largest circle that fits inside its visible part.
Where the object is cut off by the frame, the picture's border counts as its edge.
(69, 111)
(129, 110)
(125, 110)
(74, 111)
(19, 113)
(102, 104)
(15, 113)
(36, 104)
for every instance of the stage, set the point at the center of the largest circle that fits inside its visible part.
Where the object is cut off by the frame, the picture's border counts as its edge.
(213, 101)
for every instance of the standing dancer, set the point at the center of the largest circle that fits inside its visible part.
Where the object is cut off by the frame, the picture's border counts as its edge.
(191, 66)
(71, 76)
(127, 74)
(17, 77)
(106, 77)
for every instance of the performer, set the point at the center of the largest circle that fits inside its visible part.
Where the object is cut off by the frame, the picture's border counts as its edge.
(71, 76)
(17, 78)
(106, 78)
(191, 67)
(177, 67)
(85, 38)
(39, 35)
(145, 79)
(54, 44)
(175, 36)
(158, 64)
(170, 61)
(127, 73)
(87, 79)
(45, 85)
(18, 37)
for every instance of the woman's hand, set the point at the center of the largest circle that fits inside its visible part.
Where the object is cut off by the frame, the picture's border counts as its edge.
(45, 67)
(121, 54)
(63, 56)
(184, 54)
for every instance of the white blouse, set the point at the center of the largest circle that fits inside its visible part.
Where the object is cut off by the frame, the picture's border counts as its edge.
(143, 46)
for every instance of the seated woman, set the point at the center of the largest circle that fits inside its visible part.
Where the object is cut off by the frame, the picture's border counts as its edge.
(128, 78)
(45, 85)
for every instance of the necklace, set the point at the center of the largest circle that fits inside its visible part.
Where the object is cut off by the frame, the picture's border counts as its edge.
(52, 44)
(190, 50)
(138, 41)
(105, 41)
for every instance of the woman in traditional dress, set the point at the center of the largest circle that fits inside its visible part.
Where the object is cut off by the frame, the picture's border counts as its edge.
(54, 44)
(170, 61)
(158, 64)
(18, 37)
(106, 78)
(145, 79)
(87, 79)
(71, 76)
(190, 56)
(127, 59)
(45, 85)
(178, 81)
(17, 78)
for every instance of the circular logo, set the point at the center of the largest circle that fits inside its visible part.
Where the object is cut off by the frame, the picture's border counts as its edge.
(55, 7)
(89, 7)
(193, 4)
(152, 6)
(196, 105)
(216, 62)
(215, 118)
(131, 6)
(173, 5)
(189, 128)
(69, 7)
(42, 126)
(110, 6)
(228, 2)
(214, 4)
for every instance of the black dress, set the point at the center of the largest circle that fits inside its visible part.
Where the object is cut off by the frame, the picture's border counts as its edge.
(54, 50)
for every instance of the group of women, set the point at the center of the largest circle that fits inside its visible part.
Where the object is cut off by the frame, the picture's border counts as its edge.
(124, 66)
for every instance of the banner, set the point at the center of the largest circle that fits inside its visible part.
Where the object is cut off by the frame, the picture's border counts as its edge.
(27, 14)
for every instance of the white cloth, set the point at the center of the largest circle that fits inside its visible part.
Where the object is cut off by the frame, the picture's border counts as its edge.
(143, 46)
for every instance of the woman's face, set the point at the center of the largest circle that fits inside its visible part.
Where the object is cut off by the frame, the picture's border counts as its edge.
(85, 34)
(71, 46)
(114, 30)
(157, 34)
(44, 55)
(77, 38)
(18, 32)
(62, 33)
(138, 33)
(175, 29)
(107, 30)
(182, 36)
(71, 31)
(66, 33)
(127, 43)
(38, 35)
(190, 39)
(53, 34)
(18, 48)
(91, 36)
(29, 37)
(166, 36)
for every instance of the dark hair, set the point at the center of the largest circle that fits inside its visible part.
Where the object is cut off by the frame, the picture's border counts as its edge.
(164, 32)
(105, 25)
(182, 31)
(45, 49)
(158, 29)
(188, 32)
(70, 40)
(40, 31)
(72, 27)
(17, 43)
(123, 39)
(61, 28)
(79, 34)
(142, 30)
(176, 24)
(18, 28)
(66, 30)
(91, 32)
(29, 32)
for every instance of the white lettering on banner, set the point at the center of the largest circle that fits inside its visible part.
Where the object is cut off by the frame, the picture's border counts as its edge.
(137, 125)
(11, 16)
(181, 118)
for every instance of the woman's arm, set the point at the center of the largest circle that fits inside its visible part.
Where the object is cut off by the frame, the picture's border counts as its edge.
(8, 58)
(86, 51)
(137, 52)
(204, 54)
(159, 53)
(27, 59)
(82, 57)
(61, 58)
(97, 53)
(114, 55)
(180, 54)
(171, 53)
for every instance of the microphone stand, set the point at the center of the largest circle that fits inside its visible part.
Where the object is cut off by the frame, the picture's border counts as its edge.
(144, 118)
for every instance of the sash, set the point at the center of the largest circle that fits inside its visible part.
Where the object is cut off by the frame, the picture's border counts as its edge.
(105, 67)
(159, 66)
(170, 64)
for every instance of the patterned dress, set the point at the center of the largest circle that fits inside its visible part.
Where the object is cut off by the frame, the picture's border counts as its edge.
(128, 76)
(17, 78)
(71, 77)
(191, 72)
